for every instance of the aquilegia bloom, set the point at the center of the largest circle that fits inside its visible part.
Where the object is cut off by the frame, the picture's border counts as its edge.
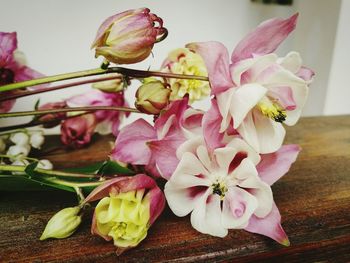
(257, 91)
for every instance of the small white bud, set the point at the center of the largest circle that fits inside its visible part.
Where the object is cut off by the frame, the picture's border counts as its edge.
(17, 152)
(36, 140)
(45, 164)
(62, 224)
(23, 162)
(20, 138)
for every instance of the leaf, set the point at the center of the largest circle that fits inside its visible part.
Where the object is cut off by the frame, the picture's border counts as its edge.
(30, 169)
(113, 168)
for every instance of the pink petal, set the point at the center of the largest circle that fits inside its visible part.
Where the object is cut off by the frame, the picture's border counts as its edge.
(284, 97)
(131, 145)
(121, 185)
(265, 38)
(8, 44)
(6, 106)
(305, 73)
(26, 73)
(211, 127)
(164, 154)
(157, 203)
(274, 165)
(216, 58)
(269, 226)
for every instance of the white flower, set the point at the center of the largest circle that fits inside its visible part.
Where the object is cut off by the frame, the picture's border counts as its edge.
(20, 138)
(23, 162)
(36, 140)
(221, 189)
(45, 164)
(17, 152)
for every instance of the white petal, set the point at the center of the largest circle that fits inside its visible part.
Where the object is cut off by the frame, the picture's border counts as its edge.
(265, 199)
(206, 216)
(224, 101)
(203, 156)
(238, 207)
(190, 145)
(224, 157)
(242, 146)
(292, 62)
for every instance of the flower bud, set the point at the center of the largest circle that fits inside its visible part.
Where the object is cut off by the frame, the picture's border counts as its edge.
(62, 224)
(17, 152)
(128, 207)
(45, 164)
(22, 162)
(76, 132)
(152, 97)
(128, 37)
(20, 138)
(36, 140)
(54, 119)
(114, 85)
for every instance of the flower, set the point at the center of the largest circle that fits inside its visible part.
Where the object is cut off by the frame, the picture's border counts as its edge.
(12, 67)
(17, 152)
(107, 121)
(127, 209)
(45, 164)
(63, 224)
(257, 91)
(184, 61)
(224, 189)
(53, 119)
(76, 132)
(128, 37)
(152, 97)
(140, 143)
(20, 138)
(37, 139)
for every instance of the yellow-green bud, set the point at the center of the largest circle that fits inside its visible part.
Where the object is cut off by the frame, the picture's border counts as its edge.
(62, 224)
(152, 97)
(114, 85)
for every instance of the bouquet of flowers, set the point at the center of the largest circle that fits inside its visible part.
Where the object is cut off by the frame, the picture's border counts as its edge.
(216, 165)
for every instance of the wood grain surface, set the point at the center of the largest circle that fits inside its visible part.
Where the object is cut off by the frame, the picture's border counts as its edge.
(313, 198)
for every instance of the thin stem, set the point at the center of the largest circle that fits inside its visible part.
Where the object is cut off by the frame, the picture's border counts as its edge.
(92, 72)
(18, 168)
(48, 111)
(58, 87)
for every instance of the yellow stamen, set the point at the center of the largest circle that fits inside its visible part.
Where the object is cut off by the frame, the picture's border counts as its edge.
(272, 110)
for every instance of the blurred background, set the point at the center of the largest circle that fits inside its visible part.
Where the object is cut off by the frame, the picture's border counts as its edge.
(56, 37)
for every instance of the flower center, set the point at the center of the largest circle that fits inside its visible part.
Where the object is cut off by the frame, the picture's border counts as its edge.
(119, 229)
(272, 110)
(220, 189)
(6, 76)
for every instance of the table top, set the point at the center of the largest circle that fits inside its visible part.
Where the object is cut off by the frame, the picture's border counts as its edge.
(313, 198)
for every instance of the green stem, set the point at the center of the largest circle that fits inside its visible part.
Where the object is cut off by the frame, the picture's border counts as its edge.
(18, 168)
(92, 72)
(84, 109)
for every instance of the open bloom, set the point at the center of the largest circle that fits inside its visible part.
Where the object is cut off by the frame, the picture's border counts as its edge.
(127, 208)
(184, 61)
(258, 91)
(140, 143)
(223, 189)
(128, 37)
(12, 66)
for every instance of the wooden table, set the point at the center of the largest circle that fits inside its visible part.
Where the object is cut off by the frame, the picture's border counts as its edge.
(313, 198)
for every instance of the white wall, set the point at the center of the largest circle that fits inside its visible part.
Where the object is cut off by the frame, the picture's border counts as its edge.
(56, 35)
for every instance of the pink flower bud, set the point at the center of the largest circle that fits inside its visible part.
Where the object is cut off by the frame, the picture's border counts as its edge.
(76, 132)
(128, 207)
(53, 118)
(152, 97)
(129, 37)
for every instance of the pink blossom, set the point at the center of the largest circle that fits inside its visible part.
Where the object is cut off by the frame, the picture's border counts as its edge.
(257, 91)
(76, 132)
(140, 143)
(12, 67)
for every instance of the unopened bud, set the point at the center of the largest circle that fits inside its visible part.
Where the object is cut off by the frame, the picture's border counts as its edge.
(152, 97)
(45, 164)
(114, 85)
(20, 138)
(62, 224)
(36, 140)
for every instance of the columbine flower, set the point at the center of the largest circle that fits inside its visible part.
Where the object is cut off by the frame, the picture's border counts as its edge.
(258, 91)
(152, 97)
(128, 37)
(63, 223)
(76, 132)
(127, 209)
(107, 121)
(225, 190)
(12, 66)
(184, 61)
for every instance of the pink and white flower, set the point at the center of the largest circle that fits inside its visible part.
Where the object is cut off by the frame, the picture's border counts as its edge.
(223, 189)
(12, 67)
(257, 91)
